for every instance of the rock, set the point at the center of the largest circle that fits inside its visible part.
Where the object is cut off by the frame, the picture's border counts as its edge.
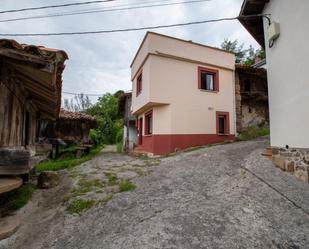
(48, 179)
(279, 162)
(290, 166)
(302, 173)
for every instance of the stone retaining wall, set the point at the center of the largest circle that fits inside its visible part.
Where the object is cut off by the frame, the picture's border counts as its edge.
(295, 161)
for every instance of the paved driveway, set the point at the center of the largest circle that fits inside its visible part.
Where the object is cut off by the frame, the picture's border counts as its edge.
(225, 196)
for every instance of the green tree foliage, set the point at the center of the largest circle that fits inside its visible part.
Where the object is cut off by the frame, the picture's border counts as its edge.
(244, 56)
(108, 119)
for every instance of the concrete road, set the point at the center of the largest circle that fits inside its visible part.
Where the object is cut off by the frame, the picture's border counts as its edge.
(226, 196)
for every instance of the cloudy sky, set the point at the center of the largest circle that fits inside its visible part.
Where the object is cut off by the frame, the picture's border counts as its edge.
(101, 63)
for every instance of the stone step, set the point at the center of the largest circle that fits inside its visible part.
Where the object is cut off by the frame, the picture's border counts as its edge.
(267, 152)
(9, 183)
(8, 226)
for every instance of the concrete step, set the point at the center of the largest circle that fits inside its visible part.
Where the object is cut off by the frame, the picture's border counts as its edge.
(9, 183)
(8, 226)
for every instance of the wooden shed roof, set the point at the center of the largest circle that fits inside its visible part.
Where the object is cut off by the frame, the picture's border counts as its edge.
(254, 25)
(39, 70)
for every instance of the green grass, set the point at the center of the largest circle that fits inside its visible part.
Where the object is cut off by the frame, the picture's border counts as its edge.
(18, 198)
(79, 205)
(112, 179)
(119, 147)
(253, 132)
(59, 164)
(126, 185)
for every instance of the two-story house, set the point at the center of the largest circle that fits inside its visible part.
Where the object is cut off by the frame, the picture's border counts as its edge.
(183, 94)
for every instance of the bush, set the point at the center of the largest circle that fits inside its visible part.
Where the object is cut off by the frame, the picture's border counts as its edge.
(253, 132)
(119, 140)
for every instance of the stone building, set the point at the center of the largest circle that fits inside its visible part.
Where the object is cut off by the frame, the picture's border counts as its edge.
(251, 97)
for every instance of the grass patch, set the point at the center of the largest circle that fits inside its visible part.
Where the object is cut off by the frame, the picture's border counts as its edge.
(253, 132)
(79, 205)
(17, 198)
(87, 185)
(59, 164)
(119, 147)
(112, 179)
(126, 185)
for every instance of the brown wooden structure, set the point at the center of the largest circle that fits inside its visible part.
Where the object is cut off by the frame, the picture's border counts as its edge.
(71, 127)
(30, 90)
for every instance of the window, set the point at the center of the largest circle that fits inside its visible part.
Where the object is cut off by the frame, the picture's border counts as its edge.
(208, 79)
(247, 86)
(223, 126)
(139, 82)
(148, 123)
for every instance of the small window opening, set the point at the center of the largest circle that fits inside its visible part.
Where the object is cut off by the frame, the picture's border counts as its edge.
(247, 86)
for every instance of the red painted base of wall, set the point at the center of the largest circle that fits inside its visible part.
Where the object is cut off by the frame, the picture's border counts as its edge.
(165, 144)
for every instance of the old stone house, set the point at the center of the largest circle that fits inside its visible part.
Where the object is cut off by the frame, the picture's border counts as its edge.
(251, 96)
(30, 90)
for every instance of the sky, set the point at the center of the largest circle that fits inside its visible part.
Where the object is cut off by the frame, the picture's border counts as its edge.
(101, 63)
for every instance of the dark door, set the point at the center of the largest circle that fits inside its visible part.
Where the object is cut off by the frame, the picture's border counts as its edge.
(222, 125)
(140, 131)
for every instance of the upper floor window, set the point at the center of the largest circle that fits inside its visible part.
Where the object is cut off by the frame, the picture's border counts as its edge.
(139, 82)
(208, 79)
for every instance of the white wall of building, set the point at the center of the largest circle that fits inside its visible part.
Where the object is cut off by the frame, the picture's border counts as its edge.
(288, 73)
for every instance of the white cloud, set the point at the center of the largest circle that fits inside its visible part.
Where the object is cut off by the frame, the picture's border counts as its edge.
(101, 63)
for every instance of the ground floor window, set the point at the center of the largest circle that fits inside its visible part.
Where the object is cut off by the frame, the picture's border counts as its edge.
(223, 123)
(148, 123)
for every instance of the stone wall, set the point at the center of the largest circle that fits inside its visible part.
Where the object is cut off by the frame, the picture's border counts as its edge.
(295, 161)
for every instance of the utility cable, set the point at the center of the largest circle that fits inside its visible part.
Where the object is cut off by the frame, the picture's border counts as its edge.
(55, 6)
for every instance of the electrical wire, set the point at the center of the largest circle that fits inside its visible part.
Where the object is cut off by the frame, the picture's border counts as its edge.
(88, 94)
(55, 6)
(120, 30)
(101, 10)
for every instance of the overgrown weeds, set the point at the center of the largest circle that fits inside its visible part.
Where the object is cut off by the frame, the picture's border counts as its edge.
(79, 205)
(126, 185)
(252, 133)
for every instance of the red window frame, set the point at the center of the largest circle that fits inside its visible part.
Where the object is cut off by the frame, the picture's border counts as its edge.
(148, 115)
(215, 74)
(139, 83)
(226, 116)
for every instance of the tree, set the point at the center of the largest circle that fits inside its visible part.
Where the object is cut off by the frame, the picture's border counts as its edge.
(79, 103)
(108, 119)
(244, 56)
(232, 46)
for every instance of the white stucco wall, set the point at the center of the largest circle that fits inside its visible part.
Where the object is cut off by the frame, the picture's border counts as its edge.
(288, 73)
